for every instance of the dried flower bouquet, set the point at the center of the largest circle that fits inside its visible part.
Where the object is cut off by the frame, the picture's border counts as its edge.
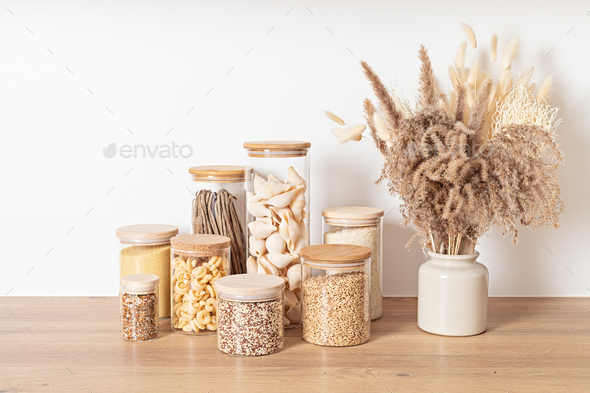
(483, 155)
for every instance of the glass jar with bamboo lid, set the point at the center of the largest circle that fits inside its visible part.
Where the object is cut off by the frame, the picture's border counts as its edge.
(336, 295)
(197, 262)
(139, 307)
(250, 314)
(360, 226)
(278, 214)
(219, 206)
(145, 249)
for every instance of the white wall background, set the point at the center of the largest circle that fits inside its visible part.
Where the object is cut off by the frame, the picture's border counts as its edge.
(153, 65)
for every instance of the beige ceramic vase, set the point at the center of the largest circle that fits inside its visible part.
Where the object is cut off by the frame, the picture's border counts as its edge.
(453, 295)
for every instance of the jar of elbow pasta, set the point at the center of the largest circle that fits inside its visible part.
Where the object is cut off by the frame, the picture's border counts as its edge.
(250, 314)
(197, 262)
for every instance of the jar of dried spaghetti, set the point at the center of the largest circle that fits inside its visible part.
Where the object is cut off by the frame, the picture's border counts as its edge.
(197, 262)
(139, 306)
(145, 249)
(219, 206)
(359, 226)
(250, 314)
(336, 294)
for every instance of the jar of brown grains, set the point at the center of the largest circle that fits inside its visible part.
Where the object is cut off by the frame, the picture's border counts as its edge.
(139, 307)
(250, 314)
(197, 262)
(336, 294)
(145, 249)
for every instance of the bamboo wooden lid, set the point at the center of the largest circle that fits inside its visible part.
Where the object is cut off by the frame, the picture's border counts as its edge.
(200, 242)
(249, 285)
(140, 281)
(223, 173)
(335, 253)
(277, 148)
(352, 212)
(146, 232)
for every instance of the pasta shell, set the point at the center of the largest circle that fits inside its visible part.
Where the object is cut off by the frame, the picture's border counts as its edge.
(276, 213)
(257, 209)
(281, 261)
(253, 197)
(266, 220)
(294, 277)
(258, 182)
(289, 230)
(275, 244)
(283, 199)
(265, 267)
(257, 247)
(293, 177)
(290, 300)
(261, 229)
(297, 205)
(251, 266)
(274, 178)
(273, 188)
(301, 240)
(294, 314)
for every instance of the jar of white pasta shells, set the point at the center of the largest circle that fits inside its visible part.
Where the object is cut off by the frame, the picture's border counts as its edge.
(277, 204)
(359, 226)
(197, 262)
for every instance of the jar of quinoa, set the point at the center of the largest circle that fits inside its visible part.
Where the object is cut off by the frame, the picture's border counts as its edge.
(250, 311)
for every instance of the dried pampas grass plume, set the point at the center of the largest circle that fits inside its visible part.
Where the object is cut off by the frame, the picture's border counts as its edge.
(381, 129)
(460, 58)
(509, 53)
(470, 35)
(350, 134)
(494, 49)
(545, 89)
(334, 118)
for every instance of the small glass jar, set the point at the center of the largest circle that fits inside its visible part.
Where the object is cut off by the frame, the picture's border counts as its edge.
(360, 226)
(145, 249)
(336, 294)
(250, 314)
(278, 214)
(139, 305)
(197, 262)
(219, 206)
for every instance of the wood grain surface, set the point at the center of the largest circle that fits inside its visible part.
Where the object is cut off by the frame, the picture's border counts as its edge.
(75, 345)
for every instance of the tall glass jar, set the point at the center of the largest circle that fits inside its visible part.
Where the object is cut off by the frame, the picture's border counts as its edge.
(197, 262)
(139, 306)
(277, 204)
(219, 206)
(336, 294)
(250, 311)
(360, 226)
(145, 249)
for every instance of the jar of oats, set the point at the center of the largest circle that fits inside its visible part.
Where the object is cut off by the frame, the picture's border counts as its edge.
(359, 226)
(145, 249)
(139, 307)
(198, 261)
(250, 314)
(336, 294)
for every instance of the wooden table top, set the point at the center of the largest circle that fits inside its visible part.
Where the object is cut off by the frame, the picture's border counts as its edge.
(75, 345)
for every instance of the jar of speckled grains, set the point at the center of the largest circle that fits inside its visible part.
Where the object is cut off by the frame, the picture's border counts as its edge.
(139, 307)
(250, 314)
(336, 294)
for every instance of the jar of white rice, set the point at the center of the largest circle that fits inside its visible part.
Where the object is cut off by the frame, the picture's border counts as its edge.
(359, 226)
